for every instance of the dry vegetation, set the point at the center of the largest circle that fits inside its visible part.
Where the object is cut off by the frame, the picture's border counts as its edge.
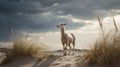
(106, 50)
(24, 47)
(33, 49)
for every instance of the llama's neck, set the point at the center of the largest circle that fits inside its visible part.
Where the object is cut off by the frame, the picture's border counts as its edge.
(62, 33)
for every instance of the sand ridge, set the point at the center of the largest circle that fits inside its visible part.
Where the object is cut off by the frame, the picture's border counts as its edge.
(56, 60)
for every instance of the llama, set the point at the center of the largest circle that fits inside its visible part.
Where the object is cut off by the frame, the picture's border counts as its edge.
(66, 39)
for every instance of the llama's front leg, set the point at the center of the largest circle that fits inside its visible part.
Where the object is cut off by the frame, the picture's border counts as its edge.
(69, 49)
(64, 50)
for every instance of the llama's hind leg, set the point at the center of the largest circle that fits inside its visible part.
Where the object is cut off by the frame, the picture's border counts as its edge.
(73, 49)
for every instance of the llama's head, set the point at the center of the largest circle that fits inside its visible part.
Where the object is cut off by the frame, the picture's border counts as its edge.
(61, 25)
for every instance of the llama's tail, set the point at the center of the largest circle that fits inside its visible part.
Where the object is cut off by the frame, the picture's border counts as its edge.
(73, 38)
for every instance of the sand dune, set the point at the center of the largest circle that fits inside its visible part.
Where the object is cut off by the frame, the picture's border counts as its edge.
(57, 60)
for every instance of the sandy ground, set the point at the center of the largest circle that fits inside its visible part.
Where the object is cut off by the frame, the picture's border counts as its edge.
(66, 61)
(58, 60)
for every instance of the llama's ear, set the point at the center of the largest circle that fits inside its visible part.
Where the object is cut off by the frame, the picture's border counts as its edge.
(64, 23)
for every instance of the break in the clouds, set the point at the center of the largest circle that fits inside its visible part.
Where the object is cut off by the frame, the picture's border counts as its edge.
(44, 15)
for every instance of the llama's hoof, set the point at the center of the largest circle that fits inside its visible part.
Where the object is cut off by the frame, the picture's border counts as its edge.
(64, 54)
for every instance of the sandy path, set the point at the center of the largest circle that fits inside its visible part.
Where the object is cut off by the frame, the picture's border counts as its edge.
(46, 62)
(58, 60)
(66, 61)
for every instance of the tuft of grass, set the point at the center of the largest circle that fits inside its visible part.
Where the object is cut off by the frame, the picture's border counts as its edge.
(30, 48)
(105, 54)
(25, 47)
(106, 51)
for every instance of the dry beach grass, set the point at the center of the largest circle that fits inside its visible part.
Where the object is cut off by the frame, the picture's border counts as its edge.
(24, 47)
(106, 50)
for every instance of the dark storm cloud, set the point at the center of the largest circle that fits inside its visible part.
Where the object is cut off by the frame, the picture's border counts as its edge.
(87, 9)
(16, 6)
(27, 6)
(28, 15)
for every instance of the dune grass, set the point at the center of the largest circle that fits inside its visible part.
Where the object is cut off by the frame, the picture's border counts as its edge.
(106, 51)
(34, 49)
(31, 48)
(105, 54)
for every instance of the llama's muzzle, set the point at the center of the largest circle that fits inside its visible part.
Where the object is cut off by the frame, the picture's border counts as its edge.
(57, 26)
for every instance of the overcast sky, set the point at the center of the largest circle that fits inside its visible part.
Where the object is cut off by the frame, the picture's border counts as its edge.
(40, 17)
